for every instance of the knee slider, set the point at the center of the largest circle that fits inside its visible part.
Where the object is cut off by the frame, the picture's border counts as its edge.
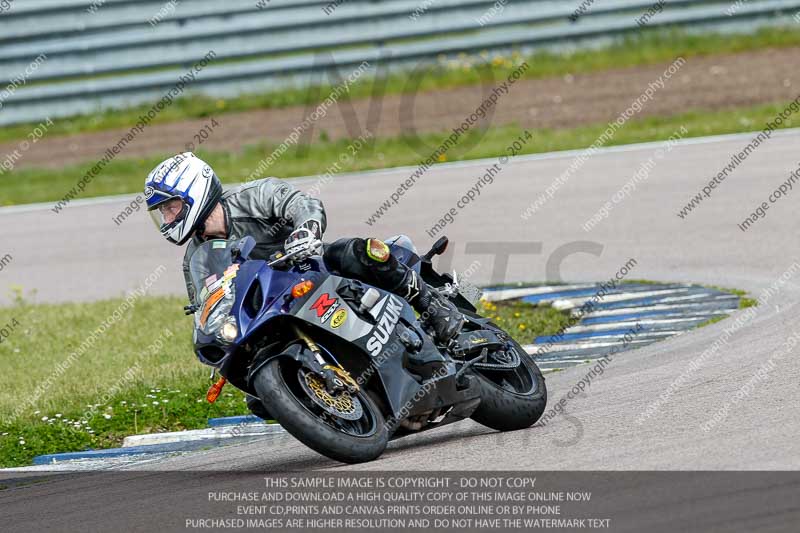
(377, 250)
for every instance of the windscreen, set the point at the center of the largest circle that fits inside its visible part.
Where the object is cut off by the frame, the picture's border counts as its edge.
(208, 266)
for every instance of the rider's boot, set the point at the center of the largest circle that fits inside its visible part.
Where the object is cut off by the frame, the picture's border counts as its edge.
(436, 311)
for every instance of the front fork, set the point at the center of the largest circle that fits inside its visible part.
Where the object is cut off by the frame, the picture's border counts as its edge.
(336, 378)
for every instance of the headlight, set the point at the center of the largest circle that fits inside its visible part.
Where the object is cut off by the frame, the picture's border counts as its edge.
(229, 331)
(219, 318)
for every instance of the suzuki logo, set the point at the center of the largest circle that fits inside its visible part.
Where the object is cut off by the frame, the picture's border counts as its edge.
(325, 306)
(386, 325)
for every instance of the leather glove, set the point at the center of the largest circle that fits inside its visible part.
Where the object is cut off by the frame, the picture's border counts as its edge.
(303, 243)
(313, 226)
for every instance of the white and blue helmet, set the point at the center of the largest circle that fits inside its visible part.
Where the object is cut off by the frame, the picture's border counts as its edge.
(189, 179)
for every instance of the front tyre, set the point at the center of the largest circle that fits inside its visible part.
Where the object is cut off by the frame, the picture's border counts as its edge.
(353, 440)
(257, 407)
(511, 399)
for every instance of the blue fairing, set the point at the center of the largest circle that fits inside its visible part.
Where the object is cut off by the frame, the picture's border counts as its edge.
(276, 299)
(276, 286)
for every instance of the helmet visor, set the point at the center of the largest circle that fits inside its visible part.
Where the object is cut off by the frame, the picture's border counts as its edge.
(168, 214)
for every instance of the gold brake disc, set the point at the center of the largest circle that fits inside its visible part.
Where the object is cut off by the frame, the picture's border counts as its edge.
(342, 404)
(343, 375)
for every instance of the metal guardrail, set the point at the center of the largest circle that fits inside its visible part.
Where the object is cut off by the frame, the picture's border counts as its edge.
(33, 21)
(114, 58)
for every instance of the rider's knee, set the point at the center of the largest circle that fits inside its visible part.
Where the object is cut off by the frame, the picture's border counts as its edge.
(376, 251)
(340, 254)
(350, 254)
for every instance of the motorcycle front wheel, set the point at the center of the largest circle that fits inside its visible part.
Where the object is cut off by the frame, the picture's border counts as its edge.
(346, 428)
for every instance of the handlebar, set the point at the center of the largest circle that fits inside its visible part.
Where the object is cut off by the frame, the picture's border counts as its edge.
(287, 256)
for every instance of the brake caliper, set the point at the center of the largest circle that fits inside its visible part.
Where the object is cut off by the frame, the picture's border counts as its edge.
(340, 378)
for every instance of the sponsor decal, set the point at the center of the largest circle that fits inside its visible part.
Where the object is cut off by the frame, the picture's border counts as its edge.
(213, 283)
(478, 341)
(231, 271)
(386, 324)
(339, 318)
(210, 303)
(215, 291)
(325, 306)
(149, 192)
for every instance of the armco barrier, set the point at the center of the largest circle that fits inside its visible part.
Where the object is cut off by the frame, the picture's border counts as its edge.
(128, 52)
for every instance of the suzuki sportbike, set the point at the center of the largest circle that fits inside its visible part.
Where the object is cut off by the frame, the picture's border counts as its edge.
(343, 366)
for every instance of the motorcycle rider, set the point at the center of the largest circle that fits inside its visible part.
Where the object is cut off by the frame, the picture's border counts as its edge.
(185, 199)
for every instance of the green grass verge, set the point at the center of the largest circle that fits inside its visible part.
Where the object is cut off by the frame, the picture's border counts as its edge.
(525, 321)
(166, 392)
(648, 47)
(127, 175)
(146, 388)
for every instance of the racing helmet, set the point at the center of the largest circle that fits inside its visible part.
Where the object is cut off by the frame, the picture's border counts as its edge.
(191, 180)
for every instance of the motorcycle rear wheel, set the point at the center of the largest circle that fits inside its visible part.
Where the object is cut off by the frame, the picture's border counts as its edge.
(278, 384)
(511, 399)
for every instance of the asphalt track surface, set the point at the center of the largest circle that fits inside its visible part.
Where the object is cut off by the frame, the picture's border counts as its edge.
(80, 254)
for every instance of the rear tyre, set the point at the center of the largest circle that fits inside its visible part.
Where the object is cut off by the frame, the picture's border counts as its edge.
(348, 441)
(511, 399)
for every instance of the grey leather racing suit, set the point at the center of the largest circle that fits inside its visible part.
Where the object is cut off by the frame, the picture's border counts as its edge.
(267, 210)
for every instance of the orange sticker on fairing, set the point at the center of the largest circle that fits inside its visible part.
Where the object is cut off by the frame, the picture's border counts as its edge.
(215, 297)
(218, 288)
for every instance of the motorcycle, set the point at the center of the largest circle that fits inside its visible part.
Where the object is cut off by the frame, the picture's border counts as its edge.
(343, 366)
